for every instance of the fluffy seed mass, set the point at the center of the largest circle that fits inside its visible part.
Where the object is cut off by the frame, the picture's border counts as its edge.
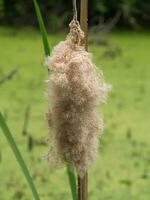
(75, 89)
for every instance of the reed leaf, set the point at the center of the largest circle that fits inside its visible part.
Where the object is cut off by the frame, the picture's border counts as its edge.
(18, 156)
(72, 182)
(70, 171)
(42, 29)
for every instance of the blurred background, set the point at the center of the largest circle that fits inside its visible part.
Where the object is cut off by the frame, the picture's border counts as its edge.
(127, 13)
(119, 38)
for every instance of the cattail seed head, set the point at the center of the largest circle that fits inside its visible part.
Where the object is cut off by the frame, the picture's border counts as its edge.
(75, 89)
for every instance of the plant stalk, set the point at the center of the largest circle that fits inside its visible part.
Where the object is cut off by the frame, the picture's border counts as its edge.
(84, 20)
(83, 182)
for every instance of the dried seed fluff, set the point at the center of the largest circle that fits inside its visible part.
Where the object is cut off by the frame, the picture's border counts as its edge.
(75, 89)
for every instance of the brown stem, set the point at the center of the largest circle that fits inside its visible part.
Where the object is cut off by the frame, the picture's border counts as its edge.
(84, 20)
(83, 182)
(83, 187)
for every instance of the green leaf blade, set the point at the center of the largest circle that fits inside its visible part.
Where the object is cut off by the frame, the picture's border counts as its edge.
(42, 29)
(72, 181)
(70, 171)
(18, 156)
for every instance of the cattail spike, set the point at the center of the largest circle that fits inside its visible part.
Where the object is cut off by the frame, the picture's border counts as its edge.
(75, 89)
